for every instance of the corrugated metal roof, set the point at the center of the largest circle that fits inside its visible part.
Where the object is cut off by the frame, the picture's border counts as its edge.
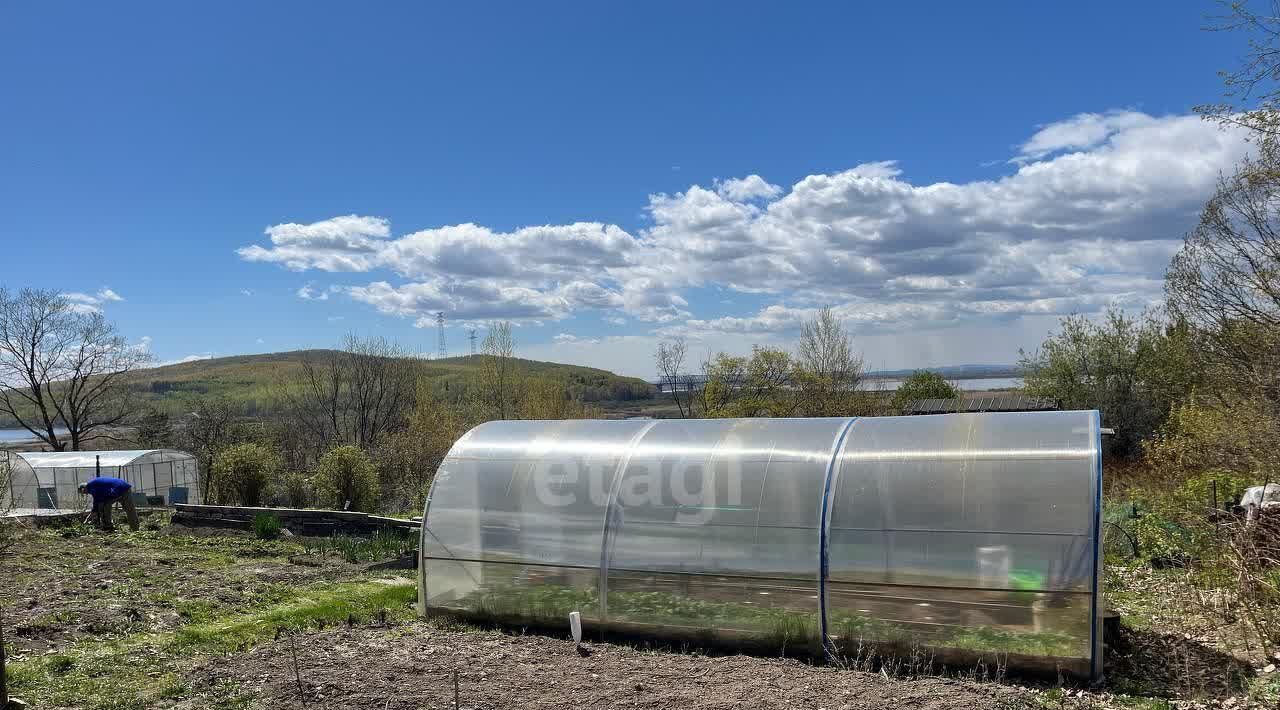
(983, 403)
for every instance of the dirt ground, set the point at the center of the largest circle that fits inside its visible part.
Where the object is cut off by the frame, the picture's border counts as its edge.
(84, 604)
(382, 669)
(75, 585)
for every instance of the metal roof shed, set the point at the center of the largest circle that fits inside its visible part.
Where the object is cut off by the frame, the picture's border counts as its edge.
(983, 403)
(51, 480)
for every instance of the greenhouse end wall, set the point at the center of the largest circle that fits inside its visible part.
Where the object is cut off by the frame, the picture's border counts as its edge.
(51, 480)
(970, 535)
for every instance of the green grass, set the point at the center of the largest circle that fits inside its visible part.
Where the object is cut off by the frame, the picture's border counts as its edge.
(319, 607)
(385, 544)
(789, 628)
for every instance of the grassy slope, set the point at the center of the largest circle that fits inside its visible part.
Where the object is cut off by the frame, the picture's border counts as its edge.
(249, 379)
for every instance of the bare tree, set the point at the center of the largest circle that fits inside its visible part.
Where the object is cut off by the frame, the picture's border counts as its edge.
(497, 387)
(204, 433)
(1252, 96)
(354, 395)
(828, 372)
(1225, 281)
(670, 359)
(62, 370)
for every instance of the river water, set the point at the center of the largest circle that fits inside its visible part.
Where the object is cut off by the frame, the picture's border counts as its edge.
(9, 436)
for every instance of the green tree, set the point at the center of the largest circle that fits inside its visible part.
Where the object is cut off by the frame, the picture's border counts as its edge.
(243, 474)
(549, 397)
(1131, 369)
(922, 384)
(346, 479)
(758, 386)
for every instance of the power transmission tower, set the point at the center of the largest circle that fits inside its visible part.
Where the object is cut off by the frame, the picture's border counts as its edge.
(442, 354)
(471, 335)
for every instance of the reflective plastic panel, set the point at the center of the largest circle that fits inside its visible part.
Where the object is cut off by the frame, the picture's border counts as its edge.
(965, 533)
(714, 529)
(972, 532)
(513, 494)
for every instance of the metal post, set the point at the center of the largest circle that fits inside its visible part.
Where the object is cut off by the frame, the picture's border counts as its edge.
(8, 470)
(97, 466)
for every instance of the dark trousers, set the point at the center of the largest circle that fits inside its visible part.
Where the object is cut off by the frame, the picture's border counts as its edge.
(103, 511)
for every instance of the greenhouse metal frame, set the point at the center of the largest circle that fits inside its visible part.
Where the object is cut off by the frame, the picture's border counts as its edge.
(51, 480)
(969, 536)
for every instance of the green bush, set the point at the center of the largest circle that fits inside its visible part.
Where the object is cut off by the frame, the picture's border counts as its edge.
(242, 474)
(346, 479)
(266, 526)
(1177, 525)
(1161, 538)
(1197, 492)
(922, 384)
(295, 490)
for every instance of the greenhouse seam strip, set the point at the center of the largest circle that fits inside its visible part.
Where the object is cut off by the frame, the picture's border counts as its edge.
(824, 522)
(612, 502)
(1095, 643)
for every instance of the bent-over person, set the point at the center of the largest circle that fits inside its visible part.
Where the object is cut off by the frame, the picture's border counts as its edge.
(107, 491)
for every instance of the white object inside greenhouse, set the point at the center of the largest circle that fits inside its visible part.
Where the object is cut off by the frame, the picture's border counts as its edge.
(43, 482)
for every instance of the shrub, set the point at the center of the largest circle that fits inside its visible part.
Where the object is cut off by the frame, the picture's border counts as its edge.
(266, 526)
(922, 384)
(295, 490)
(347, 480)
(1179, 524)
(242, 474)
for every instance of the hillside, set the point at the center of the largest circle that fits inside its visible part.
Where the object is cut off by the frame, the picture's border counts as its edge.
(248, 380)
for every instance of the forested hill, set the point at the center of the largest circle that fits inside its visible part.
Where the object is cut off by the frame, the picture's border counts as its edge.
(248, 379)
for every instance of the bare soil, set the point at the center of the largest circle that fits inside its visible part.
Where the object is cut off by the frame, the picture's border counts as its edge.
(413, 667)
(81, 586)
(103, 585)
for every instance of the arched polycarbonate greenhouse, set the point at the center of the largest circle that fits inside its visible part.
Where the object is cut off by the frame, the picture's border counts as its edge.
(963, 535)
(51, 480)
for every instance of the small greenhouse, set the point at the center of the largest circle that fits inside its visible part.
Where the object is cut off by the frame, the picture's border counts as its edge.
(966, 536)
(42, 481)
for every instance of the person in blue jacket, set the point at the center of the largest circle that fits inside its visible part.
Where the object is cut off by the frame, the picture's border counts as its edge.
(107, 491)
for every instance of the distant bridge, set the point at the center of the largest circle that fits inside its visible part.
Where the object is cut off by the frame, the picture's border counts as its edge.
(686, 383)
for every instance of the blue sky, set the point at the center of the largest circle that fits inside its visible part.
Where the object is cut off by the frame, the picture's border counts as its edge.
(252, 177)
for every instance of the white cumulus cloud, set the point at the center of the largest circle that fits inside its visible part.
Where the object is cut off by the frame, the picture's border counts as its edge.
(1088, 214)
